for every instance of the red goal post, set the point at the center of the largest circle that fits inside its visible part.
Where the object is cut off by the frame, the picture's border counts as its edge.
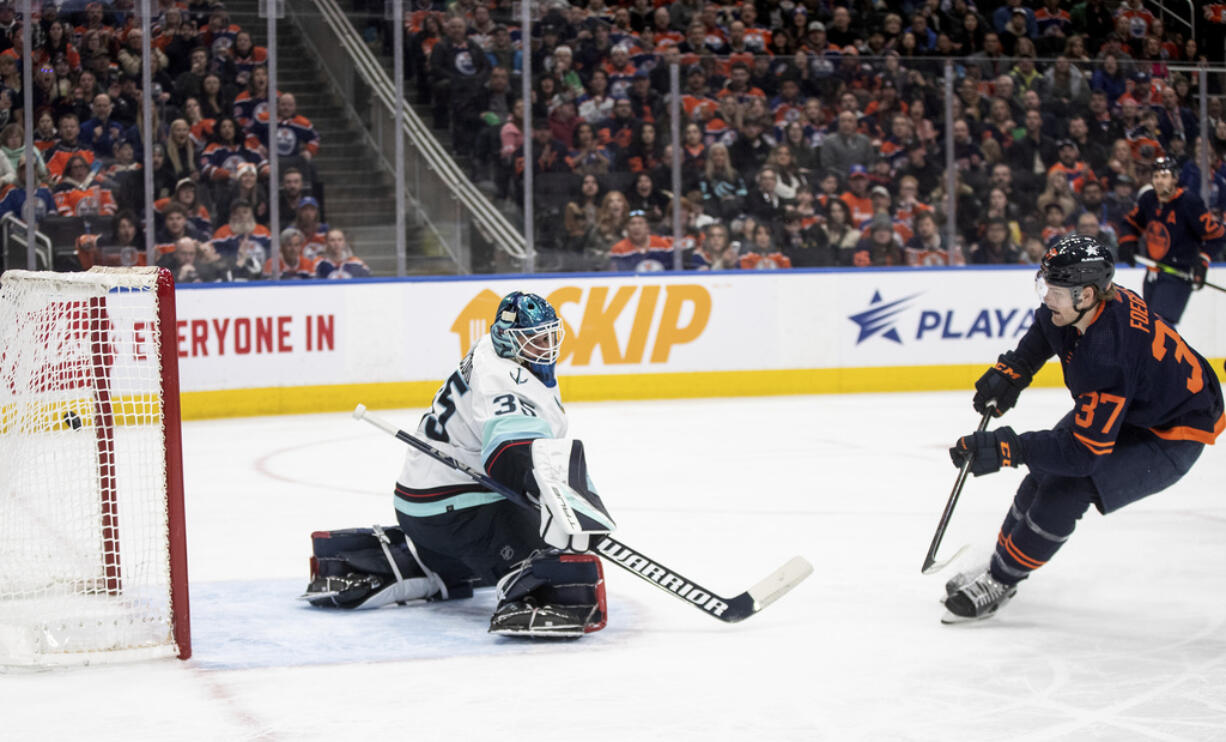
(93, 563)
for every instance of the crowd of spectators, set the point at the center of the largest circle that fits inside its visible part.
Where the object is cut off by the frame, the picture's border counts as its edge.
(814, 132)
(211, 116)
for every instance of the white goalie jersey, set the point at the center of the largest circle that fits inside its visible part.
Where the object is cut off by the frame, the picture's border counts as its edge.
(487, 401)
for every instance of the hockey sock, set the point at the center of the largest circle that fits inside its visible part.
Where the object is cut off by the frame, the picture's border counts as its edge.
(1042, 517)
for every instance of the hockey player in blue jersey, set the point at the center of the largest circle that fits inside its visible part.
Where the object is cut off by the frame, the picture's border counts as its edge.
(1146, 404)
(1171, 225)
(499, 412)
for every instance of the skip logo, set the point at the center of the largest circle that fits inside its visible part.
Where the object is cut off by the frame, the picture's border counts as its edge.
(911, 319)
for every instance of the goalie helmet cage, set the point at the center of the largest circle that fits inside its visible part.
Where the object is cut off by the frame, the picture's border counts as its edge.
(93, 562)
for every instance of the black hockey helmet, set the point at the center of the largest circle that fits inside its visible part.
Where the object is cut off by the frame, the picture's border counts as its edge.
(1166, 164)
(1078, 260)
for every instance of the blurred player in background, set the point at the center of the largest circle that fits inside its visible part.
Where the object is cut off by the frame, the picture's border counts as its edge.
(1178, 231)
(1146, 406)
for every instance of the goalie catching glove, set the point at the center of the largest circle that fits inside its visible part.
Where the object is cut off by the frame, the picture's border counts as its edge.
(571, 511)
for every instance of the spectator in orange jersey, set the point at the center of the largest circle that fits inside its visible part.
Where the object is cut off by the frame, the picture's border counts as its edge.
(294, 265)
(1076, 170)
(641, 250)
(763, 253)
(857, 198)
(67, 146)
(78, 195)
(928, 246)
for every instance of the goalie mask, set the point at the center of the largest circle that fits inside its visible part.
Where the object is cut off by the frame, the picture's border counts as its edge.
(527, 330)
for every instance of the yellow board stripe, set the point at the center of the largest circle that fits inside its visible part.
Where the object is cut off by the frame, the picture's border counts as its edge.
(417, 394)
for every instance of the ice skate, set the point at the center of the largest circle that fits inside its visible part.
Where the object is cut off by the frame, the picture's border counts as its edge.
(527, 618)
(961, 580)
(977, 599)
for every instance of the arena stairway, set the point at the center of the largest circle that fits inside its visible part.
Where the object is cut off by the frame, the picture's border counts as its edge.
(358, 187)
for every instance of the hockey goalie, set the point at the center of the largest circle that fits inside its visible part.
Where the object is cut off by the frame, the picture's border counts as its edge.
(500, 412)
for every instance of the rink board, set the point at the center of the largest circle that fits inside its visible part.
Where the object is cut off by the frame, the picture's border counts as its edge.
(308, 347)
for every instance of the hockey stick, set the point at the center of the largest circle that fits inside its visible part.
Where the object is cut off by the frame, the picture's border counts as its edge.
(931, 565)
(1172, 270)
(730, 610)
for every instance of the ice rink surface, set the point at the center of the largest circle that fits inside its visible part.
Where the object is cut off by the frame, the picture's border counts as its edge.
(1121, 637)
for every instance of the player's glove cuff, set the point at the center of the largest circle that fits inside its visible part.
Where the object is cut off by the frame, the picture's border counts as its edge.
(988, 451)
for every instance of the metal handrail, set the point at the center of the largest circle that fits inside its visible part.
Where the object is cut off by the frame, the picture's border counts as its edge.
(491, 221)
(9, 225)
(350, 111)
(1190, 21)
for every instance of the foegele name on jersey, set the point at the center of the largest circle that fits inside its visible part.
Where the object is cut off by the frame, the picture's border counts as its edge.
(661, 576)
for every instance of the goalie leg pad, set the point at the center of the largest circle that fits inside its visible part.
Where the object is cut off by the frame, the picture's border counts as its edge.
(370, 568)
(551, 595)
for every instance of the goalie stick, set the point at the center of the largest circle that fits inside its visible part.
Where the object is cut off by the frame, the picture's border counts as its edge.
(730, 610)
(931, 565)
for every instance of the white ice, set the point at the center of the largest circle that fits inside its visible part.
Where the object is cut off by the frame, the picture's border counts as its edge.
(1121, 637)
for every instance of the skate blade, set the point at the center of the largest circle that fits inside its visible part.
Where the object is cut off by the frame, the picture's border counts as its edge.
(558, 633)
(950, 618)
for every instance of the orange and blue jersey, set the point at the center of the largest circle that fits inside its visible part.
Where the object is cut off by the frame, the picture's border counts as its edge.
(761, 262)
(1059, 19)
(305, 268)
(220, 41)
(1077, 174)
(620, 78)
(656, 255)
(698, 107)
(1175, 232)
(1129, 369)
(89, 201)
(350, 267)
(257, 57)
(861, 207)
(218, 158)
(248, 108)
(227, 242)
(294, 135)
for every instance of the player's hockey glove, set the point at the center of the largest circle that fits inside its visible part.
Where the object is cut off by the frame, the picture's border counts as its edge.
(988, 450)
(1200, 269)
(1002, 383)
(1128, 252)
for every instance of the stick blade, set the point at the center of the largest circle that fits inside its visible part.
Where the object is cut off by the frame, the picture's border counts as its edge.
(778, 583)
(931, 566)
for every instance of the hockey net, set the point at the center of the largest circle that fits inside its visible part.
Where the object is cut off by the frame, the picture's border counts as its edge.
(92, 558)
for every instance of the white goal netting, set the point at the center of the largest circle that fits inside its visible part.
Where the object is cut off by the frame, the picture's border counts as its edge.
(84, 558)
